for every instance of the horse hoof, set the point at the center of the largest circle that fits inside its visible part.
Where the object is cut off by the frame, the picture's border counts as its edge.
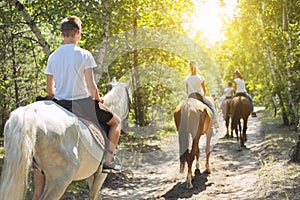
(208, 170)
(239, 148)
(197, 171)
(189, 186)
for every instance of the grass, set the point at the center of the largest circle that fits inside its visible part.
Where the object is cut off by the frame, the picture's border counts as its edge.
(278, 178)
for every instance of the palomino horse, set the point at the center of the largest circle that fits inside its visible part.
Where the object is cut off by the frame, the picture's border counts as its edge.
(192, 119)
(225, 111)
(241, 109)
(60, 144)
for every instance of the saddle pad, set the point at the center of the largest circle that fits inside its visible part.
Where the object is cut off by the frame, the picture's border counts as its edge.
(97, 132)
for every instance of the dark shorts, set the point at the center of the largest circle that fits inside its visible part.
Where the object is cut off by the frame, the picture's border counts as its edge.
(88, 109)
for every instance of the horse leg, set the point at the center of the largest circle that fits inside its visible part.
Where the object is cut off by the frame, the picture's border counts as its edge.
(238, 133)
(227, 117)
(227, 126)
(39, 183)
(197, 158)
(57, 183)
(58, 178)
(233, 128)
(189, 177)
(245, 129)
(95, 183)
(243, 134)
(208, 139)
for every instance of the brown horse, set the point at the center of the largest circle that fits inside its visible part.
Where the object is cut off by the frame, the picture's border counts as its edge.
(241, 109)
(225, 111)
(192, 119)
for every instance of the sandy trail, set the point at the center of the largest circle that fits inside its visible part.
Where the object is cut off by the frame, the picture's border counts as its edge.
(155, 175)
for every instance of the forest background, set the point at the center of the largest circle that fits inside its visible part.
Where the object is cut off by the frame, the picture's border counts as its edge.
(150, 43)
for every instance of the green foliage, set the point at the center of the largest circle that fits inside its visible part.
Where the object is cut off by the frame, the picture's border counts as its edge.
(148, 44)
(263, 43)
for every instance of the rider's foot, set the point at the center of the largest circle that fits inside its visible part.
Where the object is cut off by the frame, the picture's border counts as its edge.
(112, 167)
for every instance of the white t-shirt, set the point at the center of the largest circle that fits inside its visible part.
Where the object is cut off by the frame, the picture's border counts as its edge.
(240, 85)
(228, 91)
(67, 65)
(194, 84)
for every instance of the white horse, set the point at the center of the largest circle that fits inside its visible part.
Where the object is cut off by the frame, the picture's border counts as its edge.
(60, 144)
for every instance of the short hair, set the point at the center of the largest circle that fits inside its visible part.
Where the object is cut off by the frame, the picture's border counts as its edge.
(70, 25)
(229, 84)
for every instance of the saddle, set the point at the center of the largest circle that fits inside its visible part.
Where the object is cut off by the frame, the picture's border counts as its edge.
(200, 98)
(80, 111)
(196, 96)
(241, 94)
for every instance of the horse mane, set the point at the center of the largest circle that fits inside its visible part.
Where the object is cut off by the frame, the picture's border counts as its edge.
(118, 99)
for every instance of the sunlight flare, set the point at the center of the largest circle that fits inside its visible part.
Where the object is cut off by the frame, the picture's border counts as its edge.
(210, 18)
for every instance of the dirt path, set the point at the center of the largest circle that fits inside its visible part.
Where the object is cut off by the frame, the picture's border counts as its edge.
(155, 175)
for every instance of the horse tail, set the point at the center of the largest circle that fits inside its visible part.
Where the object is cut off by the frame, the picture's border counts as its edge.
(236, 116)
(20, 136)
(187, 131)
(183, 131)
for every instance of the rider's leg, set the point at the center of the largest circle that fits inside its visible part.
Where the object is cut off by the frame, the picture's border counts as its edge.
(105, 116)
(212, 106)
(113, 136)
(252, 104)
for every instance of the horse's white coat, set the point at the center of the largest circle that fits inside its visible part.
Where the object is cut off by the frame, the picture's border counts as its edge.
(60, 144)
(115, 102)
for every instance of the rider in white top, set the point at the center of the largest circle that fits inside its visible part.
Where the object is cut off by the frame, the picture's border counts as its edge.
(229, 90)
(240, 88)
(228, 93)
(240, 85)
(193, 82)
(73, 86)
(70, 77)
(195, 87)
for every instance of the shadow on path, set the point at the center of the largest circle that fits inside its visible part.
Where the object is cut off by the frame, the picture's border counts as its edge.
(179, 190)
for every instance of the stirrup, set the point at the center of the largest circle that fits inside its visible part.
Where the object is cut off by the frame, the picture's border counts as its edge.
(113, 167)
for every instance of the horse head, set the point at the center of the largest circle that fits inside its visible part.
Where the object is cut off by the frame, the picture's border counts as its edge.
(118, 99)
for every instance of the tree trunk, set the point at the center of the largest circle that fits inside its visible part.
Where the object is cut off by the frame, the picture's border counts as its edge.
(272, 60)
(287, 42)
(139, 111)
(15, 72)
(284, 115)
(32, 25)
(295, 151)
(102, 68)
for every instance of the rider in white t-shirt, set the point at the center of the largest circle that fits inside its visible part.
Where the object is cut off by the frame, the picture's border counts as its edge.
(240, 88)
(195, 88)
(68, 74)
(228, 92)
(70, 78)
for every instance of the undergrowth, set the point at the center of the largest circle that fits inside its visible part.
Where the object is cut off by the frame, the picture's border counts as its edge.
(278, 178)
